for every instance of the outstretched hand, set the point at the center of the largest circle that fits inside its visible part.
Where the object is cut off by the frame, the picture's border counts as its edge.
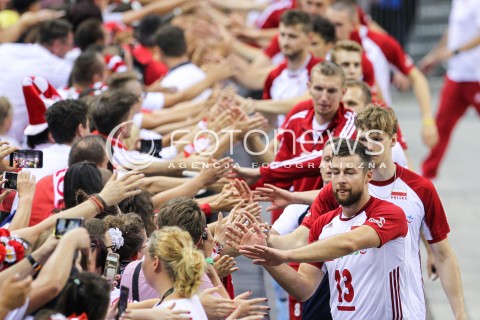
(118, 189)
(278, 197)
(263, 255)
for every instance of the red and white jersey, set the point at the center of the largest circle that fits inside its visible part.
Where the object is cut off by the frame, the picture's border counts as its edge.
(386, 52)
(282, 83)
(423, 209)
(370, 283)
(301, 143)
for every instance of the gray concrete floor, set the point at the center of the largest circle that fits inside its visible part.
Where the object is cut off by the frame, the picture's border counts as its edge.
(458, 184)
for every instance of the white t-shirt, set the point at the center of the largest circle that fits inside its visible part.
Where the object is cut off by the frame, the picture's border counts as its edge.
(464, 26)
(20, 61)
(55, 157)
(184, 76)
(193, 305)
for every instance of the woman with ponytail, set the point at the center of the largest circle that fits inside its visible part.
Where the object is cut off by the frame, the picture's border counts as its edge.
(173, 267)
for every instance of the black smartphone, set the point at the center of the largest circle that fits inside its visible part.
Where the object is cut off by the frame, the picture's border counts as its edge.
(64, 225)
(122, 301)
(152, 146)
(11, 182)
(26, 159)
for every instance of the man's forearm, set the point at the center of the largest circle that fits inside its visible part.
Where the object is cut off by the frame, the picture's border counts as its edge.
(422, 93)
(449, 273)
(279, 106)
(290, 280)
(264, 152)
(305, 197)
(294, 240)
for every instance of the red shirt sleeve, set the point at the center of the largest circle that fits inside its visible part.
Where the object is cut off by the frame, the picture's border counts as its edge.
(273, 47)
(368, 73)
(395, 54)
(323, 203)
(435, 218)
(387, 220)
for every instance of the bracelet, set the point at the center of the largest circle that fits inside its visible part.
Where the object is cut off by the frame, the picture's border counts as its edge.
(104, 204)
(209, 260)
(35, 265)
(97, 203)
(218, 248)
(428, 122)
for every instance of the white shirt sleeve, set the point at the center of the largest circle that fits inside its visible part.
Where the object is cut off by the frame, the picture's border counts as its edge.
(154, 101)
(288, 220)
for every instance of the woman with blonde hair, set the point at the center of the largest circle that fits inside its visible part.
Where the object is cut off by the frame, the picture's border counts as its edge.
(173, 267)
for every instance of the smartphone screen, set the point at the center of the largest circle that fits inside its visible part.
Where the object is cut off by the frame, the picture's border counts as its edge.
(122, 301)
(152, 146)
(11, 182)
(111, 265)
(26, 159)
(64, 225)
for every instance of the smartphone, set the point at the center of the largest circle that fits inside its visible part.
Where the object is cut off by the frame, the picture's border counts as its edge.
(111, 265)
(26, 159)
(122, 301)
(152, 146)
(64, 225)
(11, 182)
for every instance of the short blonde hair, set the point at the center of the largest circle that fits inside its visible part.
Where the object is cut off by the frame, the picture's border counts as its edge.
(345, 45)
(185, 264)
(376, 117)
(329, 69)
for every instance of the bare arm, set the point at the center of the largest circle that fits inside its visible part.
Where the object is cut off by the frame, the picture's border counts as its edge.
(449, 272)
(56, 271)
(279, 106)
(158, 7)
(422, 93)
(26, 190)
(293, 240)
(302, 284)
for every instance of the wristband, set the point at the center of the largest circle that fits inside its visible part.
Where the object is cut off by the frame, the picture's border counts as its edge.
(209, 261)
(35, 265)
(456, 51)
(104, 204)
(428, 122)
(97, 203)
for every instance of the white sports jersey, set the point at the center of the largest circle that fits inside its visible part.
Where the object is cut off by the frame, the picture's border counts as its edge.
(370, 283)
(421, 204)
(423, 209)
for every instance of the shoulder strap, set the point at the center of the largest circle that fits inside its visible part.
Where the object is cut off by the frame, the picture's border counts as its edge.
(136, 274)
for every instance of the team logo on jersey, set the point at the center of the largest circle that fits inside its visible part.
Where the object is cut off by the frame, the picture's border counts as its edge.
(409, 218)
(380, 221)
(399, 194)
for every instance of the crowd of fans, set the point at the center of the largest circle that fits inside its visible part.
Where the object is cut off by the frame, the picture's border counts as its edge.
(139, 108)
